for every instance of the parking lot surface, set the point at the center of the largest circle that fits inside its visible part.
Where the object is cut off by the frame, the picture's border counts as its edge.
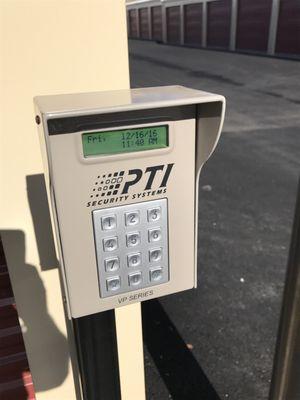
(246, 205)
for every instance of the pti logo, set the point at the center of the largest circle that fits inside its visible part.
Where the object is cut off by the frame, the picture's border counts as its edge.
(120, 183)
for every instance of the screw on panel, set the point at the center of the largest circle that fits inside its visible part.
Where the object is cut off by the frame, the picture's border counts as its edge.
(37, 119)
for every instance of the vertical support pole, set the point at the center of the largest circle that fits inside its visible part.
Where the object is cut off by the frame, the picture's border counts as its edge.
(182, 22)
(164, 24)
(204, 24)
(26, 237)
(128, 24)
(285, 381)
(150, 22)
(130, 352)
(273, 27)
(233, 24)
(137, 16)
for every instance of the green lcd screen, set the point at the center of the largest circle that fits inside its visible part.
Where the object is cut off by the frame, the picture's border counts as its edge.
(125, 140)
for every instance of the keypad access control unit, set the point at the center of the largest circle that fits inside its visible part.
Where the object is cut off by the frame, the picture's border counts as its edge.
(121, 171)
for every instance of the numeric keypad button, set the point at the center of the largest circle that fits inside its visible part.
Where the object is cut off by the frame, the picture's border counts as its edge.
(133, 239)
(110, 244)
(135, 278)
(113, 284)
(155, 255)
(112, 264)
(131, 243)
(154, 235)
(109, 222)
(156, 274)
(154, 214)
(134, 260)
(132, 218)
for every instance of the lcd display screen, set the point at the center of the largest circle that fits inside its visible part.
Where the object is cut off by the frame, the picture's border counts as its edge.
(125, 140)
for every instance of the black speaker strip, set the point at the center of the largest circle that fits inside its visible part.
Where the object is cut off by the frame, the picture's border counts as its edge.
(65, 125)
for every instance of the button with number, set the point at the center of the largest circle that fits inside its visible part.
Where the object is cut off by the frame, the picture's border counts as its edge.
(155, 255)
(132, 249)
(154, 235)
(132, 218)
(109, 222)
(154, 214)
(156, 274)
(110, 244)
(135, 278)
(134, 260)
(112, 264)
(113, 283)
(133, 239)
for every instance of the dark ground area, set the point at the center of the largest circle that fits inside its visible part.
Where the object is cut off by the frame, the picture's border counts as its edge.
(247, 198)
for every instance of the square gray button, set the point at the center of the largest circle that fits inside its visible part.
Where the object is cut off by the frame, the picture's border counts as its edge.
(154, 235)
(131, 243)
(156, 274)
(110, 244)
(132, 218)
(134, 259)
(135, 278)
(113, 284)
(109, 222)
(112, 264)
(155, 254)
(154, 214)
(133, 239)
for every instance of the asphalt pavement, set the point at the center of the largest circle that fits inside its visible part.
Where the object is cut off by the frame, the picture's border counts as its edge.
(228, 325)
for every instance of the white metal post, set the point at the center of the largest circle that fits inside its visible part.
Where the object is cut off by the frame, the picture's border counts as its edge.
(204, 24)
(182, 22)
(233, 24)
(137, 16)
(149, 22)
(164, 24)
(273, 27)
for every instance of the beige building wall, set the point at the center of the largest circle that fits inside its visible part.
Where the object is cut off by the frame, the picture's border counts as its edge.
(51, 47)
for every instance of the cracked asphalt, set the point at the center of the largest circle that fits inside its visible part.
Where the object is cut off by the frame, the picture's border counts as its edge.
(246, 207)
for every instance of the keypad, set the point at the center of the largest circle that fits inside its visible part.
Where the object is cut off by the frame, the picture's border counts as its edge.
(131, 246)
